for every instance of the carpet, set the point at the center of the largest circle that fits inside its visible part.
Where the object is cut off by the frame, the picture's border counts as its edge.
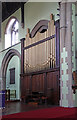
(47, 113)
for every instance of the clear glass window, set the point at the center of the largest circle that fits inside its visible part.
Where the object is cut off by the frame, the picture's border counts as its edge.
(11, 35)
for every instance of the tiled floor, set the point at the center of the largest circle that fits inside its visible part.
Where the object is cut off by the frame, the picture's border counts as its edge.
(15, 107)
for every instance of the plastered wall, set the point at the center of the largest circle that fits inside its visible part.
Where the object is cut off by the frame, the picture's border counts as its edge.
(33, 12)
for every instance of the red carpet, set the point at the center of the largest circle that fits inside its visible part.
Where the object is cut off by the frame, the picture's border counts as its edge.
(49, 113)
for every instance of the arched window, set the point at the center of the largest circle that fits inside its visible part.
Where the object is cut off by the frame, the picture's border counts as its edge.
(11, 33)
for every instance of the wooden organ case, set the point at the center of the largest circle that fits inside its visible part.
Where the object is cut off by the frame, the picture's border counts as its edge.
(40, 61)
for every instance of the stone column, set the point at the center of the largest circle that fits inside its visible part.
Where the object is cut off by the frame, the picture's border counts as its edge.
(66, 93)
(0, 18)
(0, 38)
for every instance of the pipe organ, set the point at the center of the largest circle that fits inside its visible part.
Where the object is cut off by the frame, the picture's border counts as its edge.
(43, 54)
(40, 61)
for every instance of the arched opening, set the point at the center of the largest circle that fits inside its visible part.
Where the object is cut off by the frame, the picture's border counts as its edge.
(11, 32)
(11, 54)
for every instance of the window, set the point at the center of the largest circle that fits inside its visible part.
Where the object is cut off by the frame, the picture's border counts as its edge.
(12, 76)
(11, 33)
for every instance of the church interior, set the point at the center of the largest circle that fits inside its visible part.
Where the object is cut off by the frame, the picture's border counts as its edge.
(38, 57)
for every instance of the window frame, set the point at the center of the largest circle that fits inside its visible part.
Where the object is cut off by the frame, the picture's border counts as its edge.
(10, 32)
(12, 80)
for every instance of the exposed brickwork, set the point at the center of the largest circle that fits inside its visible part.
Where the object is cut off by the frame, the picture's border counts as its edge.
(72, 65)
(72, 12)
(72, 43)
(72, 33)
(72, 22)
(61, 60)
(66, 59)
(62, 83)
(67, 71)
(66, 54)
(73, 38)
(67, 96)
(64, 77)
(73, 46)
(62, 96)
(62, 72)
(67, 83)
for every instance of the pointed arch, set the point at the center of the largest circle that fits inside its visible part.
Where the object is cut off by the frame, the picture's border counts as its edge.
(41, 26)
(11, 32)
(12, 17)
(8, 56)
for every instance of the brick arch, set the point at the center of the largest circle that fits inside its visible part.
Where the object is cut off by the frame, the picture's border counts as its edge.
(8, 56)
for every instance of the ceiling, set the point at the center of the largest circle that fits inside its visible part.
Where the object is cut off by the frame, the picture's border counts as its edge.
(8, 8)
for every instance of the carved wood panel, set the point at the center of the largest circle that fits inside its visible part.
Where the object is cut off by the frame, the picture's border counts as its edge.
(53, 87)
(49, 85)
(38, 83)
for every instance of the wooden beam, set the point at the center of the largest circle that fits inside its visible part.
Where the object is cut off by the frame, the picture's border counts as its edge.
(22, 55)
(22, 14)
(41, 71)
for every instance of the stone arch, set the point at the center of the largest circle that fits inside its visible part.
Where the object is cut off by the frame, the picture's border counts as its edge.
(11, 31)
(8, 56)
(12, 17)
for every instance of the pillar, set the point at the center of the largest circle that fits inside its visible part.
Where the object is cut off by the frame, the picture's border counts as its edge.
(22, 55)
(66, 93)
